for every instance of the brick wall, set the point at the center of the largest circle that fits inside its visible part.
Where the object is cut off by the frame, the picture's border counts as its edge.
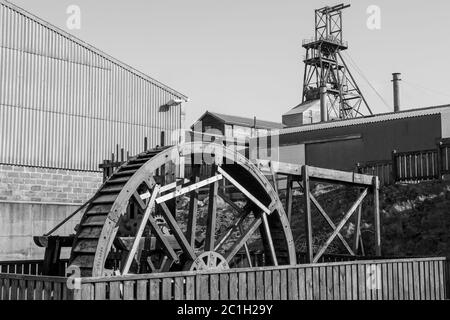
(47, 185)
(34, 200)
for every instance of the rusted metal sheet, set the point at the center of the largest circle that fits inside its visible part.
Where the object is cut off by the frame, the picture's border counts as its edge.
(65, 104)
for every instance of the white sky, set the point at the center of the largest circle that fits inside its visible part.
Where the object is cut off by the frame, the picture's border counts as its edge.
(245, 57)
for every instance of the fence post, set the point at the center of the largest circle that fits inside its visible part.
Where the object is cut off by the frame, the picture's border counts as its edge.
(394, 166)
(440, 163)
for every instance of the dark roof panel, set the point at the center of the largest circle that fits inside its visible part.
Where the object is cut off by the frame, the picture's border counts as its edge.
(242, 121)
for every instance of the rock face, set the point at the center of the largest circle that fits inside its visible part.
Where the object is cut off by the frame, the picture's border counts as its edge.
(415, 219)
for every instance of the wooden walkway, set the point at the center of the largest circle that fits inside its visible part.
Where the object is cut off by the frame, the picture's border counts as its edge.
(399, 279)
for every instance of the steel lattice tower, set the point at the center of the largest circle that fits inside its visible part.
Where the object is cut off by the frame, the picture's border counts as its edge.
(325, 68)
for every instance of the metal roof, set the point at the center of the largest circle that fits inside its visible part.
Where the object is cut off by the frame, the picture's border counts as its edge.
(93, 49)
(302, 107)
(369, 119)
(242, 121)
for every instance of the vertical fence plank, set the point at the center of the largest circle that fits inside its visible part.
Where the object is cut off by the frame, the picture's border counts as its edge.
(39, 288)
(30, 289)
(326, 283)
(437, 286)
(251, 285)
(361, 282)
(224, 285)
(167, 288)
(128, 290)
(86, 291)
(100, 290)
(421, 279)
(14, 289)
(178, 288)
(301, 284)
(268, 285)
(416, 273)
(348, 282)
(355, 291)
(242, 295)
(431, 280)
(214, 286)
(400, 280)
(283, 285)
(234, 286)
(114, 290)
(190, 288)
(336, 288)
(426, 282)
(276, 285)
(316, 284)
(260, 285)
(292, 284)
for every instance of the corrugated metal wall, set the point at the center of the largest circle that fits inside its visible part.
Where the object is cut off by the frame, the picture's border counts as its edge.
(65, 104)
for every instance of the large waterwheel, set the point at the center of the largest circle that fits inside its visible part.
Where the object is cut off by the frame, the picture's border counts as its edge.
(149, 220)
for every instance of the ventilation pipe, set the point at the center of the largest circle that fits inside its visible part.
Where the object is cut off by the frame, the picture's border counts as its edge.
(323, 104)
(396, 85)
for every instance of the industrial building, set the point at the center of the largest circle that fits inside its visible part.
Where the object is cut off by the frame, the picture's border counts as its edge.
(234, 126)
(343, 144)
(64, 106)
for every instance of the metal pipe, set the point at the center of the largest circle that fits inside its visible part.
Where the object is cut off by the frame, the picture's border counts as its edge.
(396, 86)
(323, 104)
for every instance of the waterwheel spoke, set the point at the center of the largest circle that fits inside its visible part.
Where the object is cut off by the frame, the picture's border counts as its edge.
(212, 213)
(242, 239)
(241, 212)
(177, 231)
(225, 236)
(193, 209)
(137, 239)
(273, 255)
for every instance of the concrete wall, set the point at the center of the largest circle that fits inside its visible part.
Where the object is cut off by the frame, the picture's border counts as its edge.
(34, 200)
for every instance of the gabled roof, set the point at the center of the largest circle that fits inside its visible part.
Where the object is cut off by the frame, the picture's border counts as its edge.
(241, 121)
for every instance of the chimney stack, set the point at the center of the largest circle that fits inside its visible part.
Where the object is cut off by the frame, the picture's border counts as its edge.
(323, 104)
(396, 85)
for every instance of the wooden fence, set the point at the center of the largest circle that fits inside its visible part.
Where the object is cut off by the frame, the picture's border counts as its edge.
(26, 267)
(407, 279)
(412, 166)
(399, 279)
(30, 287)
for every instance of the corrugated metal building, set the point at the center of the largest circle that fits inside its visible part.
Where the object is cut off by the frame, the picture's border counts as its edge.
(64, 105)
(344, 143)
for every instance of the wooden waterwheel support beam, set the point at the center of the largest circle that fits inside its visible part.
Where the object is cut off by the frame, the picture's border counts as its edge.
(212, 213)
(331, 224)
(242, 239)
(357, 238)
(193, 208)
(243, 190)
(241, 230)
(340, 225)
(140, 231)
(188, 189)
(289, 195)
(273, 255)
(236, 224)
(376, 209)
(184, 243)
(307, 210)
